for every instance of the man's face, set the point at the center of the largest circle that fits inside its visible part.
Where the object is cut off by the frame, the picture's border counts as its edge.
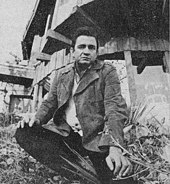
(85, 49)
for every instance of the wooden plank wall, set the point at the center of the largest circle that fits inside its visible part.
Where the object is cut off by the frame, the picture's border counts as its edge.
(133, 44)
(58, 60)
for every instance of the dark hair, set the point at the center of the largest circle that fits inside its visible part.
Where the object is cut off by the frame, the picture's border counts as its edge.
(85, 31)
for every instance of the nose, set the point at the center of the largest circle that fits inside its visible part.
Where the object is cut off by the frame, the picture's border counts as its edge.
(86, 51)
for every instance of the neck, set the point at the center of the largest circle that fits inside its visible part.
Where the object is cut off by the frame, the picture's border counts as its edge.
(80, 68)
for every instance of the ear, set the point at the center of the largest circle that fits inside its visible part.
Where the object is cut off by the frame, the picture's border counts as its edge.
(73, 49)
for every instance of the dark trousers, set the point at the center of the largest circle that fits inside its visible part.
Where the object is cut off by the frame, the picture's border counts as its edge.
(46, 146)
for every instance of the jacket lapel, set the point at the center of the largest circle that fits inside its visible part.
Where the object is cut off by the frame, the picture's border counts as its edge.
(90, 76)
(65, 86)
(87, 79)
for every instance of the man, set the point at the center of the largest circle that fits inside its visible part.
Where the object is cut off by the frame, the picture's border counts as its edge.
(86, 98)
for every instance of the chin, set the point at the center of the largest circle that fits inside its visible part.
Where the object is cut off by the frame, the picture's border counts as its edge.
(85, 62)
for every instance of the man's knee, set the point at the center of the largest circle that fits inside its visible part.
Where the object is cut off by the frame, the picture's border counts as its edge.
(23, 135)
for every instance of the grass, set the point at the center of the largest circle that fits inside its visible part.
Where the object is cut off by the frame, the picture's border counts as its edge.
(16, 166)
(148, 148)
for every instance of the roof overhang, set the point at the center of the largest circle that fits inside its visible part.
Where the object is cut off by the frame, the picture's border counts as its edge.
(132, 18)
(112, 19)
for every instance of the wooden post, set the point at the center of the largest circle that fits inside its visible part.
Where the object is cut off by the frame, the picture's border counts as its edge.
(55, 15)
(166, 61)
(47, 24)
(40, 97)
(35, 97)
(35, 49)
(130, 77)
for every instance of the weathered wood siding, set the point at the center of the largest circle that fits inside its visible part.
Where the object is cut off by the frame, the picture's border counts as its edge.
(16, 70)
(58, 60)
(133, 44)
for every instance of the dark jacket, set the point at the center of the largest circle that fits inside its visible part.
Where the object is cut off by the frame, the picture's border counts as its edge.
(100, 108)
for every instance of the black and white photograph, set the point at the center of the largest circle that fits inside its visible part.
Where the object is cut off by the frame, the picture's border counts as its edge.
(84, 92)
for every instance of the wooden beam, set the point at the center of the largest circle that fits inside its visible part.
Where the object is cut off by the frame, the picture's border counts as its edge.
(35, 98)
(130, 77)
(57, 36)
(43, 56)
(54, 42)
(35, 49)
(166, 61)
(55, 15)
(17, 71)
(165, 15)
(163, 6)
(40, 95)
(47, 24)
(31, 19)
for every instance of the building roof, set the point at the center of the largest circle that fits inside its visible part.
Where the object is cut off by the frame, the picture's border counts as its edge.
(123, 18)
(140, 19)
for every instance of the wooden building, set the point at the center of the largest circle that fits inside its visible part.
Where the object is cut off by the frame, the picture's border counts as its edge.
(15, 87)
(132, 32)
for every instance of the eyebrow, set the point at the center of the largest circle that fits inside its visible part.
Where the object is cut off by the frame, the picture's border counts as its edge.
(84, 45)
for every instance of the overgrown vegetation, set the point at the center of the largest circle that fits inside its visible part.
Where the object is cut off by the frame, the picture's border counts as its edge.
(16, 166)
(148, 148)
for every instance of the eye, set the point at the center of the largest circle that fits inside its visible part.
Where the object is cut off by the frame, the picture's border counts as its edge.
(81, 46)
(92, 47)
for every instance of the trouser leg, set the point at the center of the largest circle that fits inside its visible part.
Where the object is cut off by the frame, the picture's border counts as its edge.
(48, 147)
(98, 160)
(103, 171)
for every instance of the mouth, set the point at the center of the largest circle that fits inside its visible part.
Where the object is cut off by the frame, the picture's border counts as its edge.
(85, 58)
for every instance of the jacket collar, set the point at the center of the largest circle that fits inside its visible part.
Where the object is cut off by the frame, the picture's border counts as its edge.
(90, 76)
(87, 79)
(98, 64)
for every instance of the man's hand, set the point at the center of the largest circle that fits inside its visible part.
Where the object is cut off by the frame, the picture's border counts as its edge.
(28, 118)
(117, 162)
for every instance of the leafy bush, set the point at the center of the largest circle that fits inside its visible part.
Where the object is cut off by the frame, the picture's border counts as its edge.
(148, 146)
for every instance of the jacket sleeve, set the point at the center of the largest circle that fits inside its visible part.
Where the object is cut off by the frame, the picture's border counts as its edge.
(115, 111)
(48, 106)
